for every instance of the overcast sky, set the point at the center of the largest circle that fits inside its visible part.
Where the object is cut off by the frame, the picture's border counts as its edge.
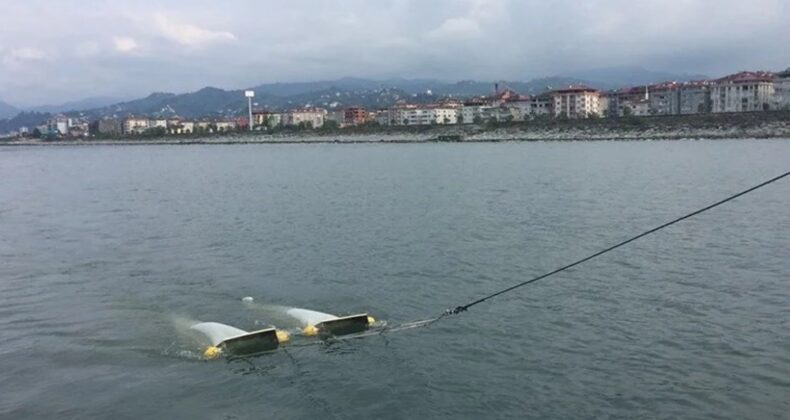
(53, 51)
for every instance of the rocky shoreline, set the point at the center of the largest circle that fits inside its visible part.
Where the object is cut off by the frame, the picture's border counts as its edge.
(754, 126)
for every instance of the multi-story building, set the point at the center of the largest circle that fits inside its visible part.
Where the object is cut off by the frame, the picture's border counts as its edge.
(743, 92)
(520, 109)
(541, 105)
(336, 116)
(410, 114)
(312, 117)
(204, 127)
(135, 125)
(383, 117)
(417, 115)
(267, 119)
(576, 102)
(180, 126)
(629, 101)
(475, 111)
(782, 90)
(664, 98)
(224, 126)
(445, 114)
(58, 125)
(158, 123)
(695, 97)
(110, 126)
(355, 115)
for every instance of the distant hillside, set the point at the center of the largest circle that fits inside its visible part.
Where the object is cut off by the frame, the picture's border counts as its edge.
(336, 94)
(617, 77)
(347, 84)
(87, 103)
(7, 111)
(213, 102)
(23, 119)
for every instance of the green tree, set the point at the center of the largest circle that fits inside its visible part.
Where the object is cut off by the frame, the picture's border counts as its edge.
(330, 125)
(627, 111)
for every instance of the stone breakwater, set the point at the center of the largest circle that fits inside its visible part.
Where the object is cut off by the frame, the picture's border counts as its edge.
(715, 128)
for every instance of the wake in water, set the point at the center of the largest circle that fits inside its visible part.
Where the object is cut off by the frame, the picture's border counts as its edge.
(308, 317)
(287, 316)
(214, 339)
(216, 332)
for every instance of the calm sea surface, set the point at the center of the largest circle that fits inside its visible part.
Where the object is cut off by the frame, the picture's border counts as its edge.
(107, 254)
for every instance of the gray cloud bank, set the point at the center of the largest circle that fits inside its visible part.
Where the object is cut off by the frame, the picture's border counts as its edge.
(55, 51)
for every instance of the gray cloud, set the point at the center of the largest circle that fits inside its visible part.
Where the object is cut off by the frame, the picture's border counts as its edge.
(57, 51)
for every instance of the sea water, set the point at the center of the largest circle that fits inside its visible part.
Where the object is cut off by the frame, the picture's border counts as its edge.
(102, 248)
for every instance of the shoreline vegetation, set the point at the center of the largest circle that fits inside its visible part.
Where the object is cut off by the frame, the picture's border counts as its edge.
(754, 125)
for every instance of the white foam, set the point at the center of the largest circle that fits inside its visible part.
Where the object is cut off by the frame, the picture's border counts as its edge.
(217, 332)
(308, 317)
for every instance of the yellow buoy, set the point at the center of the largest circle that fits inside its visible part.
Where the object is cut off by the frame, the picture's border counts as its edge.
(310, 331)
(371, 320)
(282, 336)
(212, 353)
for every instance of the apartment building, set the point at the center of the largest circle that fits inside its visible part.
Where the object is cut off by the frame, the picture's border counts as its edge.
(135, 125)
(355, 115)
(695, 97)
(664, 98)
(743, 92)
(313, 117)
(782, 90)
(576, 102)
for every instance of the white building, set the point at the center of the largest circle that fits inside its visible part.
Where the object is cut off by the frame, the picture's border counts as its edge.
(223, 126)
(743, 92)
(520, 110)
(313, 117)
(58, 124)
(419, 114)
(477, 111)
(268, 119)
(135, 125)
(179, 126)
(157, 124)
(576, 102)
(445, 114)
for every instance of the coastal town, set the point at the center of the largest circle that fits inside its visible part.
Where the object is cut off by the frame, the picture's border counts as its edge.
(744, 92)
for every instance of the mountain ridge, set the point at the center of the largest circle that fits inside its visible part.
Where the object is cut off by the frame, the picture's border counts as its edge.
(335, 94)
